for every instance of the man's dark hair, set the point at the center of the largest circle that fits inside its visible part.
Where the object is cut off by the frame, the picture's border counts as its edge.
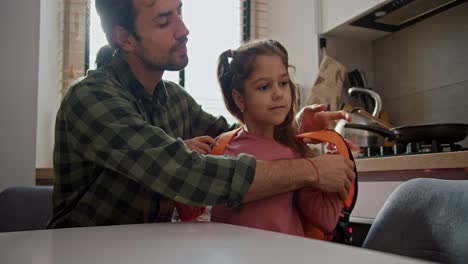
(104, 56)
(117, 13)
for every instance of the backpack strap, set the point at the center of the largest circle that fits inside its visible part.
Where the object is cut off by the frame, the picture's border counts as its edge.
(333, 137)
(342, 231)
(223, 140)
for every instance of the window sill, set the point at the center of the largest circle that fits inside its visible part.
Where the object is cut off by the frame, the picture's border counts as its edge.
(44, 176)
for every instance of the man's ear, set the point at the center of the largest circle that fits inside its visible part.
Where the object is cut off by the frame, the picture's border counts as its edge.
(238, 99)
(124, 39)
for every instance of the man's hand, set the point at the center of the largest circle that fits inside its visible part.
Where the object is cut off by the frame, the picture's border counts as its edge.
(335, 174)
(200, 144)
(328, 173)
(315, 118)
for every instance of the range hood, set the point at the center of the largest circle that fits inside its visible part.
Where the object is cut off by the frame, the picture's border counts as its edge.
(399, 14)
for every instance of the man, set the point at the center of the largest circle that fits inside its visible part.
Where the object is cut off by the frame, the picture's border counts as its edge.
(120, 155)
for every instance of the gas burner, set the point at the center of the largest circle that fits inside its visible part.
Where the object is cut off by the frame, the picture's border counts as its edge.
(413, 147)
(408, 149)
(385, 151)
(376, 151)
(435, 147)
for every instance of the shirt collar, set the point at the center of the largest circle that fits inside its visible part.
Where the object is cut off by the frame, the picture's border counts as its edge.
(125, 76)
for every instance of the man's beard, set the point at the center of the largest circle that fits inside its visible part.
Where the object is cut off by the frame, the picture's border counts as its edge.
(184, 58)
(173, 66)
(170, 65)
(167, 66)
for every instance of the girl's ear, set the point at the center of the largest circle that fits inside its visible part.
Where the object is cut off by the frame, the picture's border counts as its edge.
(238, 99)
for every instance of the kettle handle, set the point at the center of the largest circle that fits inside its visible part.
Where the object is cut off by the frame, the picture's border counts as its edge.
(375, 96)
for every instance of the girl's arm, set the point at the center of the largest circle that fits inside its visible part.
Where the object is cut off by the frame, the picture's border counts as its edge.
(189, 212)
(318, 208)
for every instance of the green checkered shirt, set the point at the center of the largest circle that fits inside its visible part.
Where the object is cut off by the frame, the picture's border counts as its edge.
(118, 150)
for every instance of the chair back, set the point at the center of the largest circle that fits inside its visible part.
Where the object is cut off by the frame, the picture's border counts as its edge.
(426, 219)
(25, 208)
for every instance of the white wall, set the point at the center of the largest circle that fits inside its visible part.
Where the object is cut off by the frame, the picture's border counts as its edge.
(50, 54)
(19, 26)
(354, 54)
(294, 24)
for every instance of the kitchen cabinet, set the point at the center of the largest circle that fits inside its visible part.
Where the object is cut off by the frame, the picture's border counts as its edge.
(337, 12)
(380, 176)
(375, 187)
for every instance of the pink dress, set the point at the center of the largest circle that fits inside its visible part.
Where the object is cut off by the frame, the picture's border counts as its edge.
(279, 213)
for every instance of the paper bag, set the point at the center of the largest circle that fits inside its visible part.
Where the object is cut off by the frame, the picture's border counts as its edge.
(329, 83)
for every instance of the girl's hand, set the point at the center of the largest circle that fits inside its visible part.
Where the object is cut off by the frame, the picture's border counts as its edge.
(200, 144)
(315, 118)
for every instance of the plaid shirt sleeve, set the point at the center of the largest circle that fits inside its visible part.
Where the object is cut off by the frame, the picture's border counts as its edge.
(106, 128)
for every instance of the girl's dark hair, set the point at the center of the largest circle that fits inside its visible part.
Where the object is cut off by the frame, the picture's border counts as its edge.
(235, 67)
(117, 13)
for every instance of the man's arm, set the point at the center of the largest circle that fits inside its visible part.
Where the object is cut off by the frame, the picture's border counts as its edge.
(332, 173)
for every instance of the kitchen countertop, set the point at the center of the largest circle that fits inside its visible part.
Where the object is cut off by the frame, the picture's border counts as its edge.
(177, 243)
(443, 160)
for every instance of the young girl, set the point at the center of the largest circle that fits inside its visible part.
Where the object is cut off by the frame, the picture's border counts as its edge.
(258, 91)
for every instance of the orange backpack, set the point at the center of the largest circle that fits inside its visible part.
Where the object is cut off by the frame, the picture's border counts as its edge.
(342, 233)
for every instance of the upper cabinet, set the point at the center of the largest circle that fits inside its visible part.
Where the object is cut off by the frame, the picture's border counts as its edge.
(336, 16)
(337, 12)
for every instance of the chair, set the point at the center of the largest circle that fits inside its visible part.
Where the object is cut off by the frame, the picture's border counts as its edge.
(426, 219)
(25, 208)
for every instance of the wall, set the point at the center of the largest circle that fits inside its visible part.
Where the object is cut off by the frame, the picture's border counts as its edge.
(50, 54)
(295, 25)
(353, 54)
(19, 25)
(422, 71)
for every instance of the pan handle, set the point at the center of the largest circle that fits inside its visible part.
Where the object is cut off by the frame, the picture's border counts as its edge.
(375, 119)
(378, 130)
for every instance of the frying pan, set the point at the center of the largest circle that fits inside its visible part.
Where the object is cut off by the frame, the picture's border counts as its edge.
(442, 133)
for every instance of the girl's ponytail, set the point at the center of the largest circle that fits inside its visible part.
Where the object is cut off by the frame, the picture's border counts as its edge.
(226, 78)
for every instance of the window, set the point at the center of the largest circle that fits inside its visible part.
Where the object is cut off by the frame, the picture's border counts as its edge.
(211, 32)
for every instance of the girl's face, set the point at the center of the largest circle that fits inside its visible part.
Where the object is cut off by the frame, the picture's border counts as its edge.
(267, 95)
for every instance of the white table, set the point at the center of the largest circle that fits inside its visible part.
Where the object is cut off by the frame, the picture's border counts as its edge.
(185, 243)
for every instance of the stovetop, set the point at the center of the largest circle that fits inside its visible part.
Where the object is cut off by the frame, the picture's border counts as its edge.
(411, 148)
